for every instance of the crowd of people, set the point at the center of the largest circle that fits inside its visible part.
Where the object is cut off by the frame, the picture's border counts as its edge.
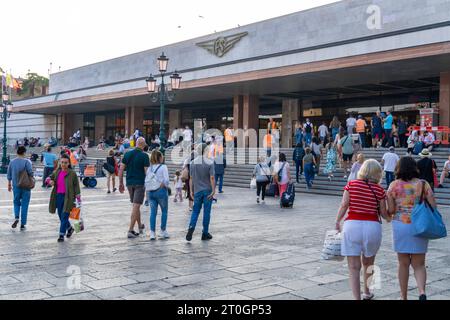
(364, 204)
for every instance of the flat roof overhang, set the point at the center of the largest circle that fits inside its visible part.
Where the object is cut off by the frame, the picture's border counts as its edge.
(420, 62)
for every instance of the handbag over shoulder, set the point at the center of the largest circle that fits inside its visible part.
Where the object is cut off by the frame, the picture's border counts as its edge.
(26, 181)
(426, 220)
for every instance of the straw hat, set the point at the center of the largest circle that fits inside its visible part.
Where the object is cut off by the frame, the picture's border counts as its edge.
(425, 154)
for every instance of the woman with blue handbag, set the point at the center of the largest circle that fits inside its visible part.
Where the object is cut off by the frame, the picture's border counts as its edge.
(403, 195)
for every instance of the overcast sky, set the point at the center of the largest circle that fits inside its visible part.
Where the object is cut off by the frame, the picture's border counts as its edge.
(73, 33)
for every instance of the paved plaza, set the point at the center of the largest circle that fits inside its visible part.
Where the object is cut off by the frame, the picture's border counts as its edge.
(258, 252)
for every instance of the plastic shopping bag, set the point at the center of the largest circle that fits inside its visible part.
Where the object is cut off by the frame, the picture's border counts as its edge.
(253, 184)
(332, 246)
(79, 226)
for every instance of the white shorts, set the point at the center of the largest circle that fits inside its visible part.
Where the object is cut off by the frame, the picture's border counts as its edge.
(361, 237)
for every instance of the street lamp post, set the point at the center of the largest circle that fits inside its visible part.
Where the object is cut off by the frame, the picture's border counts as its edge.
(162, 93)
(5, 113)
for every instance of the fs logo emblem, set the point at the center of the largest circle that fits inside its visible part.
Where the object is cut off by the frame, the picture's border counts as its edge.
(220, 46)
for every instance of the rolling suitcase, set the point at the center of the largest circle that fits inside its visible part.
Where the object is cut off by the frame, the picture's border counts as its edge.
(288, 197)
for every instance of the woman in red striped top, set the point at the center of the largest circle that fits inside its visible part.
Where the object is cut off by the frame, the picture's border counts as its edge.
(365, 201)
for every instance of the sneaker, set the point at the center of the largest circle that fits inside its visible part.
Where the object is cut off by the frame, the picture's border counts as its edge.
(14, 225)
(152, 235)
(263, 202)
(109, 192)
(440, 186)
(207, 236)
(423, 297)
(142, 229)
(70, 232)
(146, 203)
(220, 191)
(257, 200)
(345, 177)
(132, 235)
(23, 228)
(61, 239)
(115, 189)
(189, 234)
(164, 234)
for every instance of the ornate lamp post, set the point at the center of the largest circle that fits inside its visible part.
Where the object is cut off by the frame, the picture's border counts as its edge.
(5, 113)
(162, 93)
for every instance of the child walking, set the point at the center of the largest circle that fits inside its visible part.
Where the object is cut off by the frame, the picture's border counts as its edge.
(330, 168)
(178, 187)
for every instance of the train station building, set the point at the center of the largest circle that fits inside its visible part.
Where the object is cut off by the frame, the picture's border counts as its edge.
(351, 56)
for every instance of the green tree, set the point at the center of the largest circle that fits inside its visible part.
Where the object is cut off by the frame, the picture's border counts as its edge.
(32, 83)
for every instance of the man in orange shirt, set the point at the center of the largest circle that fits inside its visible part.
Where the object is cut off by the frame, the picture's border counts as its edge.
(361, 129)
(268, 143)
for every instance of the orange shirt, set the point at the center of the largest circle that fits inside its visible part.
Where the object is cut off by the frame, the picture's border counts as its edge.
(268, 141)
(361, 126)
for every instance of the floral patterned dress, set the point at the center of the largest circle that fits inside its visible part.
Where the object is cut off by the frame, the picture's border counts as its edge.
(331, 161)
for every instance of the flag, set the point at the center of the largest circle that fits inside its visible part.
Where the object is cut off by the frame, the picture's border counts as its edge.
(9, 80)
(16, 84)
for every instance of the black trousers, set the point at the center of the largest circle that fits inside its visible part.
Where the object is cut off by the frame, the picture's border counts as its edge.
(402, 140)
(298, 168)
(261, 189)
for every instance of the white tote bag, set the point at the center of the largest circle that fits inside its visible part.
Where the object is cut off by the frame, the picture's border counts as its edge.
(332, 246)
(253, 183)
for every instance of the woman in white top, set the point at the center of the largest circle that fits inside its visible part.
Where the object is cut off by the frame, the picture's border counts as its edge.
(282, 174)
(160, 196)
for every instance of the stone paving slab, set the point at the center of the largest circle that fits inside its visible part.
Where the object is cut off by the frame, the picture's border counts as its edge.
(258, 252)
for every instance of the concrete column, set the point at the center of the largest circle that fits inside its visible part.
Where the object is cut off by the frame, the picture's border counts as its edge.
(174, 120)
(70, 124)
(100, 128)
(238, 108)
(134, 118)
(250, 116)
(291, 110)
(444, 100)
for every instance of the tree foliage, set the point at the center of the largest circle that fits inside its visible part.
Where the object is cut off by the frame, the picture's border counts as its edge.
(32, 83)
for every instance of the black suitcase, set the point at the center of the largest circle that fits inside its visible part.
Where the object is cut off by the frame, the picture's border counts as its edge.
(272, 190)
(288, 197)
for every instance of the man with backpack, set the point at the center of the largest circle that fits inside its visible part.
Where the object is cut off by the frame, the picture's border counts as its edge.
(298, 155)
(308, 126)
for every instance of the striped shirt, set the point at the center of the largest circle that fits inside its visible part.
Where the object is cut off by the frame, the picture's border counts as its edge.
(363, 204)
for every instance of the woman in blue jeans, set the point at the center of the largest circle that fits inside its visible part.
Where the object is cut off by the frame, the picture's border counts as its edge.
(65, 193)
(21, 196)
(159, 197)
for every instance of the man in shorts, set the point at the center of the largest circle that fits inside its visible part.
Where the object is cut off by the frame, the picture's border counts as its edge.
(135, 163)
(347, 152)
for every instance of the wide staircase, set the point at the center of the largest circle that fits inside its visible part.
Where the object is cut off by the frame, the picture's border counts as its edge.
(239, 173)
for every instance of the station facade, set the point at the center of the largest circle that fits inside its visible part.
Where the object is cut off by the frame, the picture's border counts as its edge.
(356, 56)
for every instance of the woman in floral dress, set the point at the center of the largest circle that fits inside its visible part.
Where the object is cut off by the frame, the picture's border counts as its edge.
(330, 167)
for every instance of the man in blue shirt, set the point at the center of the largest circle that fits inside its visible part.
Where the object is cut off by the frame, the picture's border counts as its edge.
(388, 128)
(50, 160)
(377, 129)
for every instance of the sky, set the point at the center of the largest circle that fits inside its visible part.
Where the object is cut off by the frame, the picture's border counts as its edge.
(72, 33)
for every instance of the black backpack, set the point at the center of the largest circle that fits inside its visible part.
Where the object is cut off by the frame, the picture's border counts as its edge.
(308, 128)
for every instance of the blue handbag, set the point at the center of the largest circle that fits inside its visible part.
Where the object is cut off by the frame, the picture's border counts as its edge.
(426, 220)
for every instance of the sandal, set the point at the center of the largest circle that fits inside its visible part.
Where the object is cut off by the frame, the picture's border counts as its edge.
(369, 296)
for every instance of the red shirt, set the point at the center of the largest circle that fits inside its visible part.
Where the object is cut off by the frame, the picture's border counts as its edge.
(363, 204)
